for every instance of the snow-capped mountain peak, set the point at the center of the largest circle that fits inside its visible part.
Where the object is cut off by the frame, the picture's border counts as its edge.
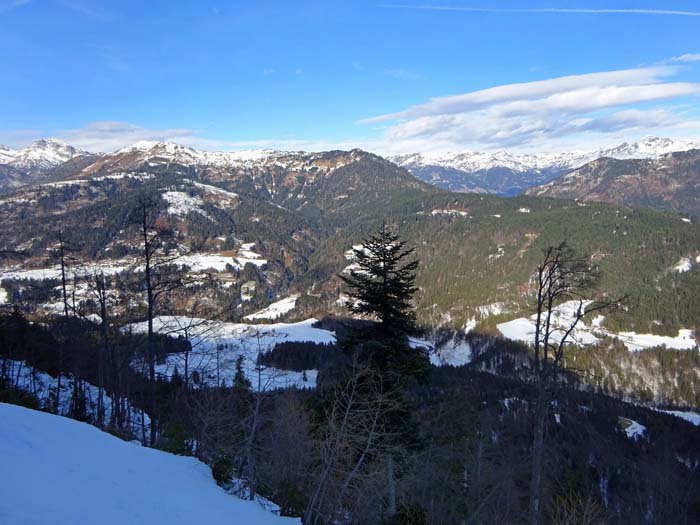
(173, 152)
(44, 153)
(648, 147)
(155, 146)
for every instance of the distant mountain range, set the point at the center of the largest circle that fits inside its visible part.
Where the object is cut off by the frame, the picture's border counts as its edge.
(500, 173)
(507, 174)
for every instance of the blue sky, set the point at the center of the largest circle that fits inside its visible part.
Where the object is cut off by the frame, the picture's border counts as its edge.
(389, 77)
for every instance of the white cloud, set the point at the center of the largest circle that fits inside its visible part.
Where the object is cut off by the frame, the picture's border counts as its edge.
(530, 90)
(527, 115)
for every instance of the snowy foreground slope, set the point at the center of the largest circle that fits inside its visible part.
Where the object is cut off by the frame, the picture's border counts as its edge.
(59, 471)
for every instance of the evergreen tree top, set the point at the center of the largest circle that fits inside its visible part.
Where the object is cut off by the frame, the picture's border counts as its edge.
(382, 284)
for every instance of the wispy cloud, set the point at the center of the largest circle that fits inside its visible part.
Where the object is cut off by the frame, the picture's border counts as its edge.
(112, 57)
(525, 115)
(637, 79)
(579, 111)
(459, 132)
(6, 5)
(19, 137)
(688, 57)
(544, 10)
(402, 74)
(85, 9)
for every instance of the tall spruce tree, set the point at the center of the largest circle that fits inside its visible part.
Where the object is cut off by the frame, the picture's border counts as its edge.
(381, 288)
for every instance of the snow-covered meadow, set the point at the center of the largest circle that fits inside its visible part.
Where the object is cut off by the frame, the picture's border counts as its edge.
(275, 310)
(523, 329)
(218, 346)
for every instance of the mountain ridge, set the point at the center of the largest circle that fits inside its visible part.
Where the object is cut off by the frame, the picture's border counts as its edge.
(501, 172)
(509, 174)
(668, 182)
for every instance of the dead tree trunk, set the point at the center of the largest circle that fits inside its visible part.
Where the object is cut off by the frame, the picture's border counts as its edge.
(101, 291)
(355, 436)
(64, 292)
(391, 486)
(561, 277)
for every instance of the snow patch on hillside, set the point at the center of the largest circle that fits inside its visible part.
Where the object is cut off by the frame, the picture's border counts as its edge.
(247, 255)
(523, 329)
(276, 309)
(60, 471)
(454, 352)
(181, 203)
(107, 267)
(632, 428)
(453, 213)
(197, 262)
(214, 189)
(690, 417)
(491, 309)
(200, 262)
(685, 264)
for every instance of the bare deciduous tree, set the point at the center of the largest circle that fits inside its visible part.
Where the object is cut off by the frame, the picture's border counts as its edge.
(355, 436)
(560, 277)
(158, 281)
